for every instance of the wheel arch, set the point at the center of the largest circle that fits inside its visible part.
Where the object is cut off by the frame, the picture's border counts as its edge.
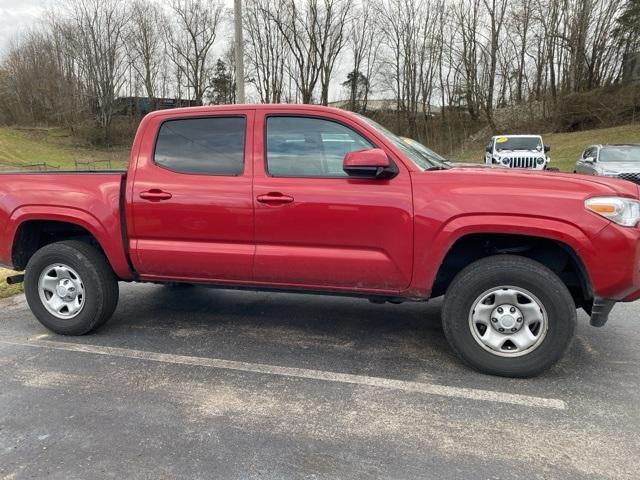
(555, 244)
(30, 229)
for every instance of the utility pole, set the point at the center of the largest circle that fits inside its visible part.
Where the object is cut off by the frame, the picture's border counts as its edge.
(237, 13)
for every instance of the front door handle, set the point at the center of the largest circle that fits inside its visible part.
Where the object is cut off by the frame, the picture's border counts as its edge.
(275, 198)
(155, 195)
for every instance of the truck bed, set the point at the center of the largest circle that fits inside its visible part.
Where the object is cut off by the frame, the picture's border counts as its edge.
(89, 199)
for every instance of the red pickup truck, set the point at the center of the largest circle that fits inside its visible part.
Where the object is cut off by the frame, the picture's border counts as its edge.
(314, 199)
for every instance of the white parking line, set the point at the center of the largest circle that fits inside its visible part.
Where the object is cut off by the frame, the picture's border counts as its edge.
(406, 386)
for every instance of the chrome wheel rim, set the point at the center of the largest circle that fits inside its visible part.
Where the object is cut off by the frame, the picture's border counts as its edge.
(61, 291)
(508, 321)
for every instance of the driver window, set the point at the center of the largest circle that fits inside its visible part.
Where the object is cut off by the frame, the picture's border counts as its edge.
(309, 147)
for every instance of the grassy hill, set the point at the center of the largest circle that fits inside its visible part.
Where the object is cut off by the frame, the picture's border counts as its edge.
(21, 149)
(565, 147)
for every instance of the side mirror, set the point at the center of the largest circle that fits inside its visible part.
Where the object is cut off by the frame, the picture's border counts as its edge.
(370, 163)
(590, 160)
(488, 148)
(547, 148)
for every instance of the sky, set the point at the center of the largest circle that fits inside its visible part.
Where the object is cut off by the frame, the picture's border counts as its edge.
(17, 16)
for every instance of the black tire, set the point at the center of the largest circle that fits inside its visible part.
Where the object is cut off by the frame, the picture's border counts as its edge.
(100, 284)
(496, 271)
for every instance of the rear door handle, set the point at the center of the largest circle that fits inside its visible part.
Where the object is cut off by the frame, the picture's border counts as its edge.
(155, 195)
(275, 198)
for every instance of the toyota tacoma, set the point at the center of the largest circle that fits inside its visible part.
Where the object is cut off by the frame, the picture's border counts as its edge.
(319, 200)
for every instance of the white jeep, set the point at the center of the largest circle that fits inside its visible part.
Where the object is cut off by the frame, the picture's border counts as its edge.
(517, 151)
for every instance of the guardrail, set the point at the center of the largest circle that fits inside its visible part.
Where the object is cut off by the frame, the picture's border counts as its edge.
(80, 166)
(39, 167)
(93, 165)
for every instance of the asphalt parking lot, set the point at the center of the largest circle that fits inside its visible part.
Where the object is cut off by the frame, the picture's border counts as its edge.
(202, 383)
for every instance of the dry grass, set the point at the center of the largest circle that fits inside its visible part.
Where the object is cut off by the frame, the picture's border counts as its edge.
(19, 147)
(5, 289)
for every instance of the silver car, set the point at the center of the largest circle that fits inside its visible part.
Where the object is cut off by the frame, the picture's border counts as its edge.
(620, 161)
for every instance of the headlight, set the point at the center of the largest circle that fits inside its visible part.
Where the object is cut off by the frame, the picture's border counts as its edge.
(506, 161)
(623, 211)
(540, 161)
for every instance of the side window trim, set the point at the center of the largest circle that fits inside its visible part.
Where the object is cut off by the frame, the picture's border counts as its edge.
(203, 117)
(316, 117)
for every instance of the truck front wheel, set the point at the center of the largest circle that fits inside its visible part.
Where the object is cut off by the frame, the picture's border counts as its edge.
(508, 315)
(70, 287)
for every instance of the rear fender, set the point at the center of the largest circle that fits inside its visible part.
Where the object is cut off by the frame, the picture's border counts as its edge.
(108, 236)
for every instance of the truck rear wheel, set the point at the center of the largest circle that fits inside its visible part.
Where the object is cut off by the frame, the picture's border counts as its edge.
(509, 316)
(70, 287)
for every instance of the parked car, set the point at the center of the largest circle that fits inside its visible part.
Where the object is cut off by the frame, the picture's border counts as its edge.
(312, 199)
(620, 161)
(517, 151)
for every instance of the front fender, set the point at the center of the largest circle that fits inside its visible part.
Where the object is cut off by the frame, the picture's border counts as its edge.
(429, 260)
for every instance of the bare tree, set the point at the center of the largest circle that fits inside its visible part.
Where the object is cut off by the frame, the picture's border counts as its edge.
(332, 24)
(146, 44)
(267, 50)
(467, 14)
(40, 81)
(97, 39)
(496, 10)
(363, 42)
(602, 53)
(404, 41)
(428, 58)
(191, 40)
(27, 77)
(299, 28)
(314, 32)
(520, 18)
(627, 30)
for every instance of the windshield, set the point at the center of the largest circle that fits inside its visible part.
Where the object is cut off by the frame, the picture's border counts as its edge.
(622, 153)
(420, 160)
(426, 151)
(518, 143)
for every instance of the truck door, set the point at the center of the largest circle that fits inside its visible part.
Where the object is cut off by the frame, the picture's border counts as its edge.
(191, 206)
(315, 226)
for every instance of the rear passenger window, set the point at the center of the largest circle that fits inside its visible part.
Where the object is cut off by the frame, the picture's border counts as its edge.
(309, 147)
(208, 146)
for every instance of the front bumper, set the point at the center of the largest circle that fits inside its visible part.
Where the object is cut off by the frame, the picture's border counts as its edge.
(614, 264)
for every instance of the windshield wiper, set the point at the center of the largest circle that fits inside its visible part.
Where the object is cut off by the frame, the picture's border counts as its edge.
(435, 167)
